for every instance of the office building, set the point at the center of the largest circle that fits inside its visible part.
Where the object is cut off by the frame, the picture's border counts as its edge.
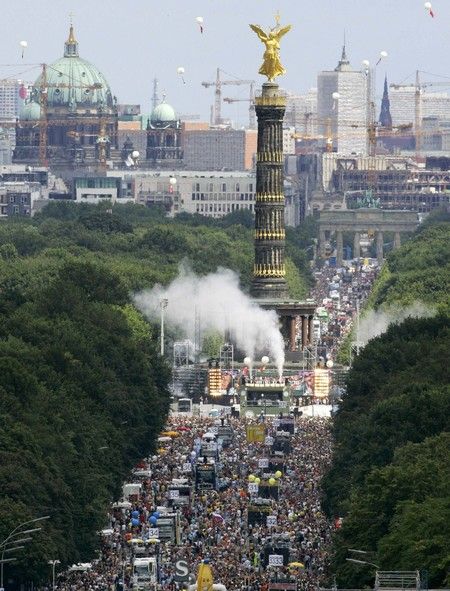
(219, 149)
(343, 98)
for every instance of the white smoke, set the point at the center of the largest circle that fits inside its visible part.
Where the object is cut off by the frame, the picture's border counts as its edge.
(220, 305)
(376, 322)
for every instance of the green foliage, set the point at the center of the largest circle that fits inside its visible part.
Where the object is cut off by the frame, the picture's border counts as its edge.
(390, 474)
(83, 392)
(212, 342)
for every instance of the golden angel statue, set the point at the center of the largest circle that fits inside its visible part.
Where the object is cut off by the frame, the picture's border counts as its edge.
(271, 66)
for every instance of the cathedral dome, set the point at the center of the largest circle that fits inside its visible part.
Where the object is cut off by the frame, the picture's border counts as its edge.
(74, 82)
(163, 114)
(30, 112)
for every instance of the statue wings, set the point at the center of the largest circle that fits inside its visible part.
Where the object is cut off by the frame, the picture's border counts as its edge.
(283, 31)
(261, 34)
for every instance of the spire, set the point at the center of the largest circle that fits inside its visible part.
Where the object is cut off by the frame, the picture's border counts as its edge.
(385, 113)
(71, 45)
(344, 63)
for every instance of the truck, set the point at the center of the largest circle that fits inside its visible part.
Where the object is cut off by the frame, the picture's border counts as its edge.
(145, 573)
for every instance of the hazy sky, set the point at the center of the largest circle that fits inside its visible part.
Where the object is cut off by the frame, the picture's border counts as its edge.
(133, 41)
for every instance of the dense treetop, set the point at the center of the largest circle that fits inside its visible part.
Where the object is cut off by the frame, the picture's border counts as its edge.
(390, 475)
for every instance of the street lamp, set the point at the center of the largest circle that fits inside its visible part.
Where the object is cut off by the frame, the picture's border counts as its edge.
(53, 564)
(356, 561)
(163, 303)
(14, 538)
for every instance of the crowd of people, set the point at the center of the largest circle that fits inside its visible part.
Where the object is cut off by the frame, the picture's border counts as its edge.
(215, 524)
(341, 292)
(218, 524)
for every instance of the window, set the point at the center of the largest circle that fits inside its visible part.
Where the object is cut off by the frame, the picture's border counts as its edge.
(12, 199)
(224, 187)
(237, 188)
(250, 187)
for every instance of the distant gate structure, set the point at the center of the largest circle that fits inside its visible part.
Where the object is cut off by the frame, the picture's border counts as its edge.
(364, 220)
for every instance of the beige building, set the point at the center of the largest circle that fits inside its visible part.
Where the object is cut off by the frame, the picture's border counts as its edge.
(210, 194)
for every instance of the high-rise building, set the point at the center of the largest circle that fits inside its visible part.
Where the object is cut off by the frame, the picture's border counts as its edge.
(301, 112)
(10, 101)
(343, 99)
(403, 104)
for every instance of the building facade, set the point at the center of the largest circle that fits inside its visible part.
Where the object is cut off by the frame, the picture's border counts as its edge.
(74, 122)
(343, 98)
(219, 149)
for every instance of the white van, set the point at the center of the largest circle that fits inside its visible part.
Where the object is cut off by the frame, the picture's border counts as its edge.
(145, 573)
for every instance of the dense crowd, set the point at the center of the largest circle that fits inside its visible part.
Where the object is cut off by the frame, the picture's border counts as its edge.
(352, 289)
(215, 525)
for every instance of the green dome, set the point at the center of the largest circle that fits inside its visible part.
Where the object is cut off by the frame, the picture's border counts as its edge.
(163, 113)
(30, 111)
(75, 83)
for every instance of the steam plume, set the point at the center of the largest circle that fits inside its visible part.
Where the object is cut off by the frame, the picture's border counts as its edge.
(376, 322)
(221, 306)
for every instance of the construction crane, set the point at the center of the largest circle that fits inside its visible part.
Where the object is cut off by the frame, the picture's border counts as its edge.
(418, 93)
(218, 83)
(251, 108)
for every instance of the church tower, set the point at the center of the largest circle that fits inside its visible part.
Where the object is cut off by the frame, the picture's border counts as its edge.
(385, 113)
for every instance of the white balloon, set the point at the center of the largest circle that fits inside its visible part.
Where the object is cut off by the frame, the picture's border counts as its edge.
(427, 5)
(265, 359)
(180, 70)
(135, 154)
(336, 96)
(247, 361)
(199, 19)
(366, 63)
(23, 44)
(383, 53)
(173, 180)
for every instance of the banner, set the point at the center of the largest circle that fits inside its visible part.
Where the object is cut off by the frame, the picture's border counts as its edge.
(275, 560)
(256, 433)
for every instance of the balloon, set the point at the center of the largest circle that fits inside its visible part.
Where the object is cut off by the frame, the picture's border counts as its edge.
(336, 96)
(278, 474)
(251, 478)
(383, 53)
(265, 360)
(135, 154)
(173, 180)
(247, 361)
(199, 20)
(366, 63)
(153, 520)
(427, 5)
(272, 481)
(180, 72)
(135, 522)
(157, 514)
(23, 92)
(257, 480)
(23, 45)
(135, 514)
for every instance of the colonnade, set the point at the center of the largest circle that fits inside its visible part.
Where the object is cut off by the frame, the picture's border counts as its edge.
(305, 326)
(356, 245)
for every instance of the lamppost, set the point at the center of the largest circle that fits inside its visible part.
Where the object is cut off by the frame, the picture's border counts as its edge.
(53, 564)
(13, 538)
(356, 561)
(163, 303)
